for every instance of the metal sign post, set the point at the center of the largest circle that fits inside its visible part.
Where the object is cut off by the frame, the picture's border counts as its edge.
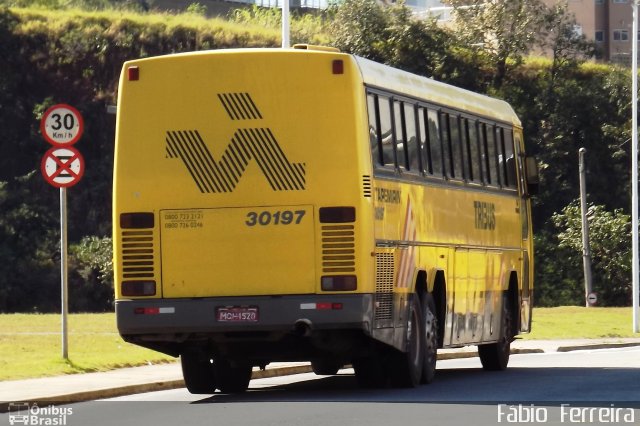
(62, 166)
(586, 246)
(64, 276)
(635, 272)
(285, 24)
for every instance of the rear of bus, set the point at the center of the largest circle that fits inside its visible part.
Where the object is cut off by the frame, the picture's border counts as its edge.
(242, 210)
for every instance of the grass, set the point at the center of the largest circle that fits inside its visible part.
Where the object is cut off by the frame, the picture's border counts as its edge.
(226, 32)
(575, 322)
(30, 344)
(250, 32)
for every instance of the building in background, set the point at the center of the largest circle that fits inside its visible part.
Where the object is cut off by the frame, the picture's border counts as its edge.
(606, 22)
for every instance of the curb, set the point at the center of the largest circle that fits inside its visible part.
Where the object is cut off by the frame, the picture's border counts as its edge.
(596, 346)
(114, 392)
(100, 393)
(176, 384)
(268, 373)
(474, 354)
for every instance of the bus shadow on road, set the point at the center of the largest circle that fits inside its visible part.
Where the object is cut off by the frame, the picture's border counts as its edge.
(553, 385)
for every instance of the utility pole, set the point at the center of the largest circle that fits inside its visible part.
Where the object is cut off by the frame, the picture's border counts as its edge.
(285, 24)
(586, 246)
(634, 169)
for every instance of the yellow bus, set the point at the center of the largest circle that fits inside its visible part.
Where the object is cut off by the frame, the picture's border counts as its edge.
(309, 205)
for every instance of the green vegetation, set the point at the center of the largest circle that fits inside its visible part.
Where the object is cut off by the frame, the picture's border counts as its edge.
(31, 346)
(72, 51)
(575, 322)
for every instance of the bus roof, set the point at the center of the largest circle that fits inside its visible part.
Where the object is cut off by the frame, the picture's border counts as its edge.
(401, 82)
(405, 83)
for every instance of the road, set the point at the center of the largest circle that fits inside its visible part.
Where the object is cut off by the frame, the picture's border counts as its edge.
(584, 387)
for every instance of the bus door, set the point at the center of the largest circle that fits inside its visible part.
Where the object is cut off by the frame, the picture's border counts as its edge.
(525, 299)
(469, 295)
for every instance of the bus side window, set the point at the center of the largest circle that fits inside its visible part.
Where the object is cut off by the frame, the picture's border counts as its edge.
(435, 143)
(456, 147)
(401, 135)
(511, 161)
(445, 137)
(474, 151)
(411, 137)
(491, 155)
(374, 125)
(385, 133)
(502, 160)
(424, 149)
(466, 157)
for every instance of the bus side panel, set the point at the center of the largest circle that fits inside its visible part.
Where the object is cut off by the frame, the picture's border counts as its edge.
(483, 225)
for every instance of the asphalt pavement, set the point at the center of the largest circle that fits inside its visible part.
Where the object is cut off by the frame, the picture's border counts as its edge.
(125, 381)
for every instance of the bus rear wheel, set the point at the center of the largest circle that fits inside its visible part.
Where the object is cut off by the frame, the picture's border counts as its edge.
(198, 371)
(233, 377)
(495, 356)
(406, 367)
(430, 338)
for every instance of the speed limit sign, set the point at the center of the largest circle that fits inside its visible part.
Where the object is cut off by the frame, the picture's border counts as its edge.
(62, 125)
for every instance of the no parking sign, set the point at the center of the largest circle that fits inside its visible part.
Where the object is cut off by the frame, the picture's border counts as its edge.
(62, 167)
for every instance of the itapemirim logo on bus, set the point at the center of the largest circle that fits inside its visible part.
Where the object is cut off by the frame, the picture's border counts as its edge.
(256, 143)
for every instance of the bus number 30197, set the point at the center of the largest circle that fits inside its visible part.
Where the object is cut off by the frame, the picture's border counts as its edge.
(265, 218)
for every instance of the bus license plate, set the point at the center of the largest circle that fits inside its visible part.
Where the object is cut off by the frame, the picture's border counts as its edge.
(237, 314)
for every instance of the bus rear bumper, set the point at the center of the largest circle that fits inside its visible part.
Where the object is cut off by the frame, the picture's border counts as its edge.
(219, 315)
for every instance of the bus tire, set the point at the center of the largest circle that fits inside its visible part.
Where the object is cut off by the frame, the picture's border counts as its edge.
(495, 356)
(198, 371)
(430, 323)
(406, 367)
(325, 366)
(232, 377)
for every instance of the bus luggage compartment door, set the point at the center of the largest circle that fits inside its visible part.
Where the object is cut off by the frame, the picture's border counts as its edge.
(237, 251)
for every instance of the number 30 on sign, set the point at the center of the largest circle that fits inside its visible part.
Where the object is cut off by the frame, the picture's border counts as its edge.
(62, 125)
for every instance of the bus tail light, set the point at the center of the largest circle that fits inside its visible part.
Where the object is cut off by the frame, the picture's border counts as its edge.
(322, 306)
(136, 220)
(338, 66)
(133, 73)
(339, 283)
(337, 214)
(154, 310)
(138, 288)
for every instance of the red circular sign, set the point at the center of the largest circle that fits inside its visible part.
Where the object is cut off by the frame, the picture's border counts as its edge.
(62, 125)
(62, 167)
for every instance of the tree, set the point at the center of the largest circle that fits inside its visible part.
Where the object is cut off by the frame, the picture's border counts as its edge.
(392, 35)
(29, 233)
(504, 30)
(610, 237)
(567, 46)
(361, 29)
(557, 282)
(91, 284)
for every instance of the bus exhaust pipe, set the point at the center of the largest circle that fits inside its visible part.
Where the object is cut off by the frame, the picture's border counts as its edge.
(302, 328)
